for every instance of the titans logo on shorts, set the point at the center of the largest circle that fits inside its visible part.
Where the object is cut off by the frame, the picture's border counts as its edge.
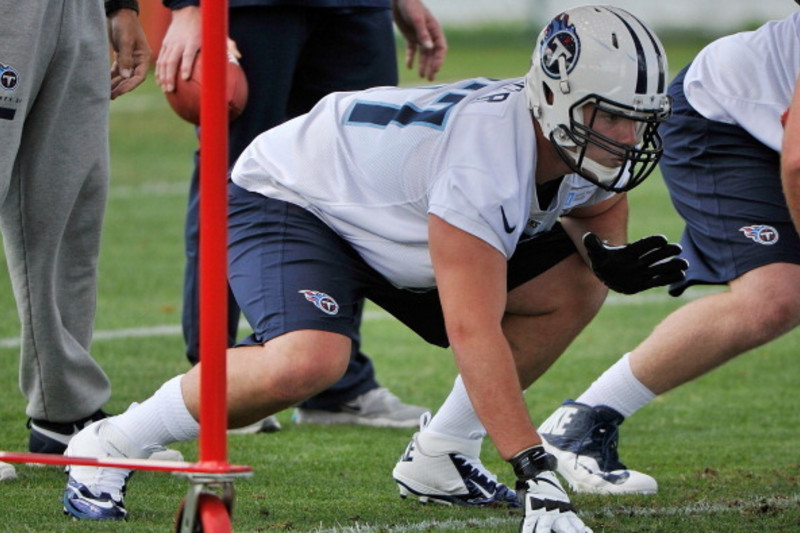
(731, 200)
(761, 233)
(321, 301)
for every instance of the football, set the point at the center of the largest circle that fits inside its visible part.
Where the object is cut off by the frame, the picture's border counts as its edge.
(185, 99)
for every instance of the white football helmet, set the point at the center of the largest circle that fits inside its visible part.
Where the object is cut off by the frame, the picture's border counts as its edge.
(604, 56)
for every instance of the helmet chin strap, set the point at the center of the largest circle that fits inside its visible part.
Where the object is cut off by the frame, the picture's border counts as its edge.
(601, 173)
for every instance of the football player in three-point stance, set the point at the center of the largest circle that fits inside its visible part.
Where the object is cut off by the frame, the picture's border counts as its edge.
(485, 215)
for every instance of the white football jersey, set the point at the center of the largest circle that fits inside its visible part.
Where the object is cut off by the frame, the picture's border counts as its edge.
(748, 78)
(374, 164)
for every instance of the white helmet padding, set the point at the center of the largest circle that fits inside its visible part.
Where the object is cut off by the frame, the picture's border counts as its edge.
(600, 55)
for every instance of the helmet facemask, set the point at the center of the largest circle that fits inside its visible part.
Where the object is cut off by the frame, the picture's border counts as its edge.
(636, 161)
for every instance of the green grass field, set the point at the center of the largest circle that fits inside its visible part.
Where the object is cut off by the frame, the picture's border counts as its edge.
(724, 448)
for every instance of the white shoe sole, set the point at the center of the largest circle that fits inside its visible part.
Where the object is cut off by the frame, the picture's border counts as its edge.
(581, 478)
(415, 489)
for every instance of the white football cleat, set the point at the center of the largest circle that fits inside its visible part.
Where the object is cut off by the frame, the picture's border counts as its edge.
(439, 469)
(584, 440)
(96, 492)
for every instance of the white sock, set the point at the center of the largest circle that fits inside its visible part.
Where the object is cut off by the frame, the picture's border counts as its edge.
(619, 389)
(456, 417)
(159, 420)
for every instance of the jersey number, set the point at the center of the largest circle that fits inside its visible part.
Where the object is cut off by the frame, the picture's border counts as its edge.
(381, 115)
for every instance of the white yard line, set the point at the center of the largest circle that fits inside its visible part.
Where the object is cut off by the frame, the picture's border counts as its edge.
(370, 315)
(148, 190)
(698, 508)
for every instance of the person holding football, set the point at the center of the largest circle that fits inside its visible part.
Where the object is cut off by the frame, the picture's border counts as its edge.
(724, 149)
(487, 215)
(294, 53)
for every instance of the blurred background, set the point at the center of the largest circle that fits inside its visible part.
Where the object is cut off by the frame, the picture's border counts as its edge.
(704, 18)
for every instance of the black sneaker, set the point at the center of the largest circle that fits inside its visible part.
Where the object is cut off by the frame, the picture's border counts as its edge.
(584, 440)
(53, 437)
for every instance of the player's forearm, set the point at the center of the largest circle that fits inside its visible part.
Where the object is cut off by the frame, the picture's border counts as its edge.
(608, 220)
(490, 377)
(791, 187)
(790, 176)
(790, 159)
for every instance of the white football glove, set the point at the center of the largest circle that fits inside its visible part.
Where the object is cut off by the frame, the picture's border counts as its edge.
(547, 506)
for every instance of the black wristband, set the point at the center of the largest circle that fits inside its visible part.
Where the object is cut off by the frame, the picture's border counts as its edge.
(529, 463)
(113, 6)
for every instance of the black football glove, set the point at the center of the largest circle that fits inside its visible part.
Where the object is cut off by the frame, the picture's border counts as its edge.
(636, 266)
(546, 505)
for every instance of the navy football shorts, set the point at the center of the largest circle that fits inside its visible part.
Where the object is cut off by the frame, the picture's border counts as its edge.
(726, 186)
(290, 271)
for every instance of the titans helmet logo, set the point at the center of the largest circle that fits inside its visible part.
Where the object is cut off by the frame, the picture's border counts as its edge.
(560, 41)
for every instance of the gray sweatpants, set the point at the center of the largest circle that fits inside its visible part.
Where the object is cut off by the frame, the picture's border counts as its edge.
(54, 174)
